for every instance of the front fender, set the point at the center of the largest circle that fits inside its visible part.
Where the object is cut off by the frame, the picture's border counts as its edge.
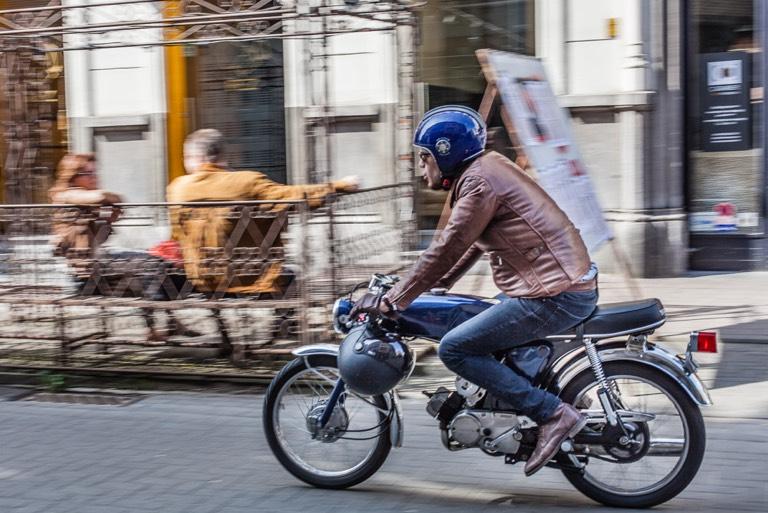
(653, 356)
(331, 349)
(396, 426)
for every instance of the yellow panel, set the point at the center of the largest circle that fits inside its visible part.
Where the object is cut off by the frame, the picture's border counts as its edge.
(2, 145)
(176, 85)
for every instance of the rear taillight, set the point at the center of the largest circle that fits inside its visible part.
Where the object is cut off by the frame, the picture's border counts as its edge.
(707, 342)
(703, 342)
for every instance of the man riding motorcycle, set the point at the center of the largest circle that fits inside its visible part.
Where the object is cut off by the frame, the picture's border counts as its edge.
(538, 259)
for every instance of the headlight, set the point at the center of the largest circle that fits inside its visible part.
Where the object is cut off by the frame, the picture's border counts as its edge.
(340, 314)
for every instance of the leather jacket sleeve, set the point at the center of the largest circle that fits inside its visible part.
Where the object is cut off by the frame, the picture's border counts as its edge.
(467, 260)
(474, 208)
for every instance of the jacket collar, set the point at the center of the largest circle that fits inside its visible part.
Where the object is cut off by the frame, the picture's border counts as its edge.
(454, 190)
(210, 167)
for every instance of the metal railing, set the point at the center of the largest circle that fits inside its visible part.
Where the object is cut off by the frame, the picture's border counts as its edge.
(100, 302)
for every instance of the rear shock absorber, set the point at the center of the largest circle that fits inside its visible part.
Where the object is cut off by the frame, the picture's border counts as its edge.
(603, 390)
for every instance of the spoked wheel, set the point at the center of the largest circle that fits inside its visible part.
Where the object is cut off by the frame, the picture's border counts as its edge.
(658, 457)
(348, 450)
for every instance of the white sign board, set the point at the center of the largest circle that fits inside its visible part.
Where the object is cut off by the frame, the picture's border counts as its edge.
(544, 132)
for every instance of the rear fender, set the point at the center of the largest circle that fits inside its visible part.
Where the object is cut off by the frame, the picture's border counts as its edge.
(653, 356)
(396, 425)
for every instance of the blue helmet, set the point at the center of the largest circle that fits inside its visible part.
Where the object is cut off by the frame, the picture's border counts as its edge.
(453, 134)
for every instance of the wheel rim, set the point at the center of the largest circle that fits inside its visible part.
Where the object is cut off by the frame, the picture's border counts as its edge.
(669, 434)
(340, 449)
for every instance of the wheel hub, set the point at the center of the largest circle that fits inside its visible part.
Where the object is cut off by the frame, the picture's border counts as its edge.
(631, 446)
(335, 427)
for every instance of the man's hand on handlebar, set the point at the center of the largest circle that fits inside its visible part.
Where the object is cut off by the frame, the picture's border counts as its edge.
(374, 305)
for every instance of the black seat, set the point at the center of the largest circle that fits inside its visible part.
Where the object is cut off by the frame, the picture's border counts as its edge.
(623, 318)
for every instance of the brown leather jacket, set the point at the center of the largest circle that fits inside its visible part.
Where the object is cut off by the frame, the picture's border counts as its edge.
(535, 250)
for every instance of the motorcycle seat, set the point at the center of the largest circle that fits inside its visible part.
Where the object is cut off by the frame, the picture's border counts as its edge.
(626, 318)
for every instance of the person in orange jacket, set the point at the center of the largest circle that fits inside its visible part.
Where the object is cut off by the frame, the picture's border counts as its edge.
(206, 231)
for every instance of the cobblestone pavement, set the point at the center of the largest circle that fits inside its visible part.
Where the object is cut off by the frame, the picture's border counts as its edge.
(199, 453)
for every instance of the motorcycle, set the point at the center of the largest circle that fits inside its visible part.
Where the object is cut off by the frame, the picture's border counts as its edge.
(642, 445)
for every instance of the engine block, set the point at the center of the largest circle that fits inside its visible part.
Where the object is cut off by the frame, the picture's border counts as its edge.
(492, 431)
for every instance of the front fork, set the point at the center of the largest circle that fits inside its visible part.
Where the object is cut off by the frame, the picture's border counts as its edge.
(396, 426)
(338, 389)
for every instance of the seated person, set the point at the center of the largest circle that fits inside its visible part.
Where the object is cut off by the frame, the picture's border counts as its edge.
(234, 250)
(80, 231)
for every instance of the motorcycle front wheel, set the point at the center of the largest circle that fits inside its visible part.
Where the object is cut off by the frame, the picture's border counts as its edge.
(663, 454)
(348, 450)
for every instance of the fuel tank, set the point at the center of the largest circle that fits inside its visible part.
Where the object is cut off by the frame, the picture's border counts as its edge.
(433, 315)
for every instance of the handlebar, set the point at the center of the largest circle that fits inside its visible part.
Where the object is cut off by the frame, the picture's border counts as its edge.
(382, 282)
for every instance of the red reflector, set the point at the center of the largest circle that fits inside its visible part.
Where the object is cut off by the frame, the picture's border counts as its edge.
(707, 342)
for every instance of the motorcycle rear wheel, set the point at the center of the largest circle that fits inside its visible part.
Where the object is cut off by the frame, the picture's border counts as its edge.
(317, 468)
(604, 483)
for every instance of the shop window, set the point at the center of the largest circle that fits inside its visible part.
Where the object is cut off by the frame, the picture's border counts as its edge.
(725, 99)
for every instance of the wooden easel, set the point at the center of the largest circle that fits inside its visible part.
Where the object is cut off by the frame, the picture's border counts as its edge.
(491, 98)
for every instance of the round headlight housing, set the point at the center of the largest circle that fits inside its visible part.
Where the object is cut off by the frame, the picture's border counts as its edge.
(340, 315)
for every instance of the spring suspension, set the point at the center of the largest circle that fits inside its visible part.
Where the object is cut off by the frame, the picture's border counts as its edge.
(604, 389)
(597, 365)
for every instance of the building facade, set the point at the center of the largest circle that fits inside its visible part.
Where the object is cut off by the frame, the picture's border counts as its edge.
(726, 134)
(667, 102)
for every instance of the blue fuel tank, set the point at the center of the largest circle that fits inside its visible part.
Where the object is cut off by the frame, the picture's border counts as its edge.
(433, 315)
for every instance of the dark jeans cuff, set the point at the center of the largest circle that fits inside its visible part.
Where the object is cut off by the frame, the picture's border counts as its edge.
(547, 409)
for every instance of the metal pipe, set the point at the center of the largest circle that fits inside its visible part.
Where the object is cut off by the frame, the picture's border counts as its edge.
(212, 40)
(51, 8)
(202, 203)
(148, 24)
(161, 204)
(266, 14)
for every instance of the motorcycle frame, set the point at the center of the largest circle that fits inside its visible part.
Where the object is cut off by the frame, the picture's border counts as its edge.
(574, 354)
(562, 371)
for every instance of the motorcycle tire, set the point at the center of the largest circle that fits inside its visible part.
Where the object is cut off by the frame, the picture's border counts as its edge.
(357, 475)
(693, 457)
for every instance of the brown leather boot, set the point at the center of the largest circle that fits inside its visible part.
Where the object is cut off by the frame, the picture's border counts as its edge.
(564, 423)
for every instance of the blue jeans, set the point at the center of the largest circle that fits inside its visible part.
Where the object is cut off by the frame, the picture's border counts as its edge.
(467, 349)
